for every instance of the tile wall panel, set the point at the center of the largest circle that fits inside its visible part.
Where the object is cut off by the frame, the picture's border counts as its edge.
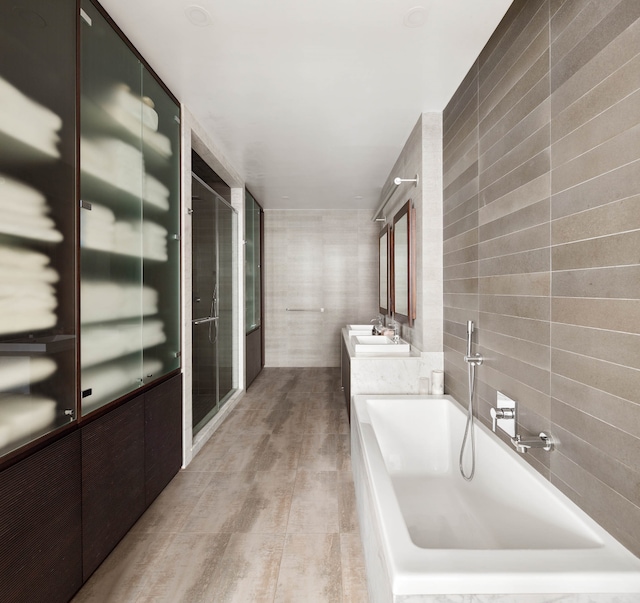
(547, 127)
(317, 259)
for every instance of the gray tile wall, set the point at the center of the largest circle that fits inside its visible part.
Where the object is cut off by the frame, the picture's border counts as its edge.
(317, 259)
(542, 241)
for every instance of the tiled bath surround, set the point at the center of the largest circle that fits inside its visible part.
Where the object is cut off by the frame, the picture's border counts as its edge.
(541, 238)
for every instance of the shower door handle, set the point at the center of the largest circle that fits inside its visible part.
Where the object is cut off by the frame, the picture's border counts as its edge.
(201, 321)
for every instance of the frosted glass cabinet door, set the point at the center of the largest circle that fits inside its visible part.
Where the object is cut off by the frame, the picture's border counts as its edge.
(161, 228)
(129, 219)
(111, 174)
(37, 220)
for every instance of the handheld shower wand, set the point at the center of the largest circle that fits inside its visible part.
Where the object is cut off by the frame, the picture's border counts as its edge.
(472, 361)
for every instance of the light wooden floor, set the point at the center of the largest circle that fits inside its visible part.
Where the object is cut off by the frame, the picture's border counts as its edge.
(265, 512)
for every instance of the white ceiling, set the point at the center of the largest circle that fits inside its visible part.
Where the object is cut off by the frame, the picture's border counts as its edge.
(311, 101)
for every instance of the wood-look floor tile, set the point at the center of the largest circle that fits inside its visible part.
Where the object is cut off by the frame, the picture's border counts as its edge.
(123, 575)
(281, 451)
(310, 569)
(248, 570)
(319, 452)
(242, 452)
(314, 508)
(347, 502)
(187, 570)
(354, 576)
(267, 504)
(170, 510)
(217, 509)
(343, 452)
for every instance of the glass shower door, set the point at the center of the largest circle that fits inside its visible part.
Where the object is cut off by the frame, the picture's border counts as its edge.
(214, 294)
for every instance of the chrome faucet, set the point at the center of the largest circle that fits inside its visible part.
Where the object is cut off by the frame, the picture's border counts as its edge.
(543, 441)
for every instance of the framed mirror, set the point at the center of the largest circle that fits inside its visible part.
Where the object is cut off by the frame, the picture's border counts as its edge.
(384, 271)
(403, 288)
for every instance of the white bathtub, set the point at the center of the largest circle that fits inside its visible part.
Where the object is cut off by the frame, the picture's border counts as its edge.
(427, 532)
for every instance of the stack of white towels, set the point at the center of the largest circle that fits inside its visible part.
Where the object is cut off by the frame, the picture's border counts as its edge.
(21, 371)
(100, 230)
(28, 121)
(24, 415)
(121, 165)
(25, 212)
(27, 294)
(113, 161)
(103, 343)
(136, 115)
(114, 379)
(106, 300)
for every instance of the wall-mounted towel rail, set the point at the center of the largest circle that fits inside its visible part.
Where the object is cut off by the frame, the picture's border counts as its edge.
(304, 309)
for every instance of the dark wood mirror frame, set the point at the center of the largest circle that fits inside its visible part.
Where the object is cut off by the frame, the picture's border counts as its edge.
(403, 290)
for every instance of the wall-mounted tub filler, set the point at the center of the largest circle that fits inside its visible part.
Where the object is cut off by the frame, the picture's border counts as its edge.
(505, 416)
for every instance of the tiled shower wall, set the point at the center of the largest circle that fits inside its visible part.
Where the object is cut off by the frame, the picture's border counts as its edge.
(316, 259)
(542, 241)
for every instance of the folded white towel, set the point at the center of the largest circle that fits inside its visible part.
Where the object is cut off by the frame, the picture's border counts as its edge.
(28, 121)
(97, 227)
(104, 301)
(22, 258)
(19, 322)
(16, 371)
(130, 110)
(25, 415)
(158, 142)
(24, 212)
(114, 379)
(155, 192)
(19, 274)
(27, 288)
(100, 344)
(113, 161)
(18, 198)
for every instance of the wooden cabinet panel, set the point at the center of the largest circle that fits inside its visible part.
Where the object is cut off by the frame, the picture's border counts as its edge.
(112, 480)
(40, 531)
(163, 436)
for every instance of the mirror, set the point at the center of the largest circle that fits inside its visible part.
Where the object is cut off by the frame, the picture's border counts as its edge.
(403, 291)
(384, 272)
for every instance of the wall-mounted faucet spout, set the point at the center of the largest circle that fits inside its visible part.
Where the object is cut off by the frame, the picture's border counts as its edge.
(544, 441)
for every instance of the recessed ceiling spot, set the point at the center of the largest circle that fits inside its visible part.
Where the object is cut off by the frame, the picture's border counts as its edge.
(197, 15)
(415, 17)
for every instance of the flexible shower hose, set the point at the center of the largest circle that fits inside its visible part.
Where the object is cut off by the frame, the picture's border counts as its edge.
(468, 430)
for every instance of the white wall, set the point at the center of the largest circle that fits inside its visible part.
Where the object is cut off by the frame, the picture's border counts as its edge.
(422, 155)
(317, 259)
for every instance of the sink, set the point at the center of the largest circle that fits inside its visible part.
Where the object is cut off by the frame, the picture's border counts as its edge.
(380, 343)
(359, 329)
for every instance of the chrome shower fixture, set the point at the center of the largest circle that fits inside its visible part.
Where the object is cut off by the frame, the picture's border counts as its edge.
(398, 181)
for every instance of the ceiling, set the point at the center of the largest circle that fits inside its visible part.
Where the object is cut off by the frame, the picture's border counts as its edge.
(311, 101)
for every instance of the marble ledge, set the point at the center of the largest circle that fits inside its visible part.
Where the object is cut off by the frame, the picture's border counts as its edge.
(391, 374)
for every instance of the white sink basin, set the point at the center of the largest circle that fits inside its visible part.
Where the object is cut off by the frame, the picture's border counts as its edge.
(359, 329)
(380, 343)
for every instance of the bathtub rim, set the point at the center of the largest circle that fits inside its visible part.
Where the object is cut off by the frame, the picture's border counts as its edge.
(610, 568)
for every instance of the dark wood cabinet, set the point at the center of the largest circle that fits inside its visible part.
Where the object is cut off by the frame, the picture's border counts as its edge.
(41, 529)
(162, 436)
(113, 480)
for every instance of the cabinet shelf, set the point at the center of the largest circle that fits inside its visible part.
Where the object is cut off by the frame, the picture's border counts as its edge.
(53, 344)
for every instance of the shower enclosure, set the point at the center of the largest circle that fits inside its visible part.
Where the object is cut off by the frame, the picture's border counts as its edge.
(214, 228)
